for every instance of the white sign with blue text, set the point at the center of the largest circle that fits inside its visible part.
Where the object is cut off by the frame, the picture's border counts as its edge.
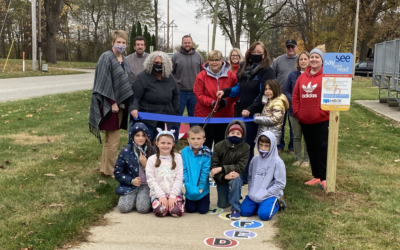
(336, 81)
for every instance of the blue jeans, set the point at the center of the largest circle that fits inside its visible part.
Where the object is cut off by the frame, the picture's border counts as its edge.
(265, 209)
(201, 206)
(186, 99)
(282, 142)
(251, 133)
(229, 194)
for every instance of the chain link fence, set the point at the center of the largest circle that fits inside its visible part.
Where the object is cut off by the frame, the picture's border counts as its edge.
(386, 71)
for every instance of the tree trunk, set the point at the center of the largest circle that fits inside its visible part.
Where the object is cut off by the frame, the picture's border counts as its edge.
(156, 22)
(363, 50)
(52, 10)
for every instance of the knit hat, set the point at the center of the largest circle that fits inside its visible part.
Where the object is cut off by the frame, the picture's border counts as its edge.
(235, 127)
(318, 51)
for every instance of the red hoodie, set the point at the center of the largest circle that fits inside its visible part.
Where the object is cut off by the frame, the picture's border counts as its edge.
(306, 100)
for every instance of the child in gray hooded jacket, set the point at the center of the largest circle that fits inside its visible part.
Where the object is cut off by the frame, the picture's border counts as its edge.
(267, 179)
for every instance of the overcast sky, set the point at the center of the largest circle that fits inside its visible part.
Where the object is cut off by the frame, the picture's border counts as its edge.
(183, 14)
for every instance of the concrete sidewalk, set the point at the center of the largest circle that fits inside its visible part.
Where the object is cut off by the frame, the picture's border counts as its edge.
(146, 231)
(383, 109)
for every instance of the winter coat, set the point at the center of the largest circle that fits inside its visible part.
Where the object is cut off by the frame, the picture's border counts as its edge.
(249, 90)
(291, 82)
(127, 165)
(185, 67)
(267, 175)
(155, 96)
(206, 87)
(272, 117)
(306, 101)
(231, 157)
(196, 168)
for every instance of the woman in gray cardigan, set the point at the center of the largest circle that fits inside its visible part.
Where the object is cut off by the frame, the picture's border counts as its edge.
(155, 90)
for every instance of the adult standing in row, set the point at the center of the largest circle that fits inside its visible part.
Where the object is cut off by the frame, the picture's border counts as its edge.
(136, 59)
(302, 63)
(215, 76)
(252, 74)
(110, 99)
(235, 58)
(314, 121)
(283, 65)
(186, 63)
(155, 91)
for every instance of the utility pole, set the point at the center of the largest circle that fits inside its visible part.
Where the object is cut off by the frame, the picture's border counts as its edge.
(225, 48)
(172, 25)
(355, 38)
(215, 24)
(40, 34)
(168, 28)
(208, 39)
(34, 40)
(163, 26)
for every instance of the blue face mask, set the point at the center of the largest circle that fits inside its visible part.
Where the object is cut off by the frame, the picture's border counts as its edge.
(234, 139)
(263, 153)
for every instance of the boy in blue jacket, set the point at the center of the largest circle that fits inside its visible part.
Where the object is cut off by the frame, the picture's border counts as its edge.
(196, 168)
(267, 179)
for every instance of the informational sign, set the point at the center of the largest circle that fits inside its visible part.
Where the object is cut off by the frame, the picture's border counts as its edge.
(220, 242)
(336, 81)
(215, 210)
(240, 234)
(227, 216)
(247, 224)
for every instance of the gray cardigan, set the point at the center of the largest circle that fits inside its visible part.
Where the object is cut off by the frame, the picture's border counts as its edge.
(155, 96)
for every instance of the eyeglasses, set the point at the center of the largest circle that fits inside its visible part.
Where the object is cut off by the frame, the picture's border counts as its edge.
(158, 63)
(257, 53)
(214, 60)
(235, 56)
(290, 47)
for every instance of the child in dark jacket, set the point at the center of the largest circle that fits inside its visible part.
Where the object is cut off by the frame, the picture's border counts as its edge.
(267, 179)
(130, 171)
(196, 168)
(228, 162)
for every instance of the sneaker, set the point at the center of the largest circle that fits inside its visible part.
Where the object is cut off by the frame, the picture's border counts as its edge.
(291, 151)
(235, 215)
(322, 184)
(282, 204)
(305, 165)
(313, 181)
(296, 163)
(280, 151)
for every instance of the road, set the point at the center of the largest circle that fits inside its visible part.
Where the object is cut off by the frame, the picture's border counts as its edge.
(26, 87)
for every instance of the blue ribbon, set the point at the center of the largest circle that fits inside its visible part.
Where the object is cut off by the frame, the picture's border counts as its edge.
(186, 119)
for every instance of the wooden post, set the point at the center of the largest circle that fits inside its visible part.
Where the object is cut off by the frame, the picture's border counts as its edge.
(23, 61)
(332, 151)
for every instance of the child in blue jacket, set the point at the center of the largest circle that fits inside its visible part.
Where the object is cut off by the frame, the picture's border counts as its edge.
(196, 168)
(130, 170)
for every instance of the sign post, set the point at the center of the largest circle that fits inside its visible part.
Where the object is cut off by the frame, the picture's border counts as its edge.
(335, 97)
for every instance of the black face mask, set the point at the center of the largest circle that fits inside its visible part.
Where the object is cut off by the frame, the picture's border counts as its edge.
(256, 58)
(157, 68)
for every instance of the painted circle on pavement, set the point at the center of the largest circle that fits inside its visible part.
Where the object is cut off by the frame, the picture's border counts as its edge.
(227, 216)
(215, 210)
(240, 234)
(221, 242)
(247, 224)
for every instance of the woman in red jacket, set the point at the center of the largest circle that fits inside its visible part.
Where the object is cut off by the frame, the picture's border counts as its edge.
(215, 76)
(314, 122)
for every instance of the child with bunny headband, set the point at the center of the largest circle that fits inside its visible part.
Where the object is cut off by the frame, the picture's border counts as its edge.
(164, 172)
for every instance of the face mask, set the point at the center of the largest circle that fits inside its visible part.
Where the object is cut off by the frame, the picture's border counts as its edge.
(234, 139)
(119, 48)
(157, 68)
(263, 153)
(256, 58)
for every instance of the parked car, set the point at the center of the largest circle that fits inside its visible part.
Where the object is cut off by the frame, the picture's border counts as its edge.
(170, 55)
(364, 68)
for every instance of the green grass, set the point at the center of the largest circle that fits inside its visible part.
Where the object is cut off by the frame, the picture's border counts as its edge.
(77, 65)
(14, 70)
(47, 212)
(364, 211)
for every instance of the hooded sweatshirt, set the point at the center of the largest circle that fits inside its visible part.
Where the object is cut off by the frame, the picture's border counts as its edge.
(206, 87)
(267, 176)
(196, 168)
(231, 157)
(306, 99)
(136, 64)
(186, 66)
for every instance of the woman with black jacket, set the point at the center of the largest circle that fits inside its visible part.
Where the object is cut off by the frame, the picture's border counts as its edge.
(252, 75)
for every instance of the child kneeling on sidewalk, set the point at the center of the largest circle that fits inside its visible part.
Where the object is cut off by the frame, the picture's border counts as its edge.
(267, 179)
(229, 160)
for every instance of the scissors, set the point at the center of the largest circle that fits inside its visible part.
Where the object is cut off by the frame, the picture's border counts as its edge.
(215, 109)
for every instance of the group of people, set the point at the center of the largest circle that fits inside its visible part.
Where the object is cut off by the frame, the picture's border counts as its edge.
(150, 171)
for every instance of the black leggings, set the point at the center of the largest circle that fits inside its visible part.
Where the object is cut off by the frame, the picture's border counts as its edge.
(214, 133)
(316, 137)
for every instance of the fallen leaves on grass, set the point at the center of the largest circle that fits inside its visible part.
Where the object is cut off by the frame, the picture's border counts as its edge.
(101, 181)
(50, 175)
(6, 122)
(373, 147)
(29, 233)
(2, 166)
(25, 248)
(398, 160)
(335, 212)
(310, 246)
(21, 186)
(54, 157)
(52, 205)
(363, 137)
(366, 153)
(7, 161)
(96, 196)
(29, 115)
